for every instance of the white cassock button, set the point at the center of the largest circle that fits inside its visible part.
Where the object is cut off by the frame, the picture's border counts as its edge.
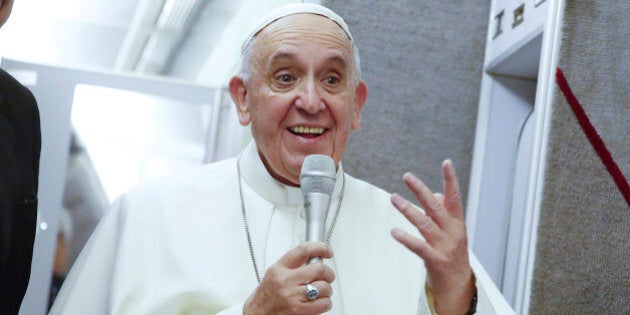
(303, 213)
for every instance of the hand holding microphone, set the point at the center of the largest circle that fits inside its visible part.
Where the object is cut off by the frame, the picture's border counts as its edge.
(317, 181)
(275, 294)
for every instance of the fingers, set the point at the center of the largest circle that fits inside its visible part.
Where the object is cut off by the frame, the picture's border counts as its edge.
(289, 300)
(433, 207)
(419, 247)
(452, 198)
(301, 253)
(293, 265)
(325, 289)
(318, 306)
(441, 224)
(317, 272)
(283, 288)
(439, 197)
(444, 250)
(323, 303)
(421, 221)
(320, 276)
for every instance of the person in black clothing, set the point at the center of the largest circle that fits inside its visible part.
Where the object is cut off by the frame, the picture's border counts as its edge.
(20, 144)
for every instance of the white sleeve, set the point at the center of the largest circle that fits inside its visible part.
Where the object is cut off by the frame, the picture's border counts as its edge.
(489, 298)
(423, 304)
(104, 279)
(86, 289)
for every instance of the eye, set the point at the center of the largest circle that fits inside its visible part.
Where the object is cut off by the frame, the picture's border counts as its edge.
(332, 80)
(285, 78)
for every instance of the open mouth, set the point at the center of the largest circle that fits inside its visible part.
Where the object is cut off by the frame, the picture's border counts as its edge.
(308, 132)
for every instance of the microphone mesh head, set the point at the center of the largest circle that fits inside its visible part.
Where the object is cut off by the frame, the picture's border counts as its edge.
(318, 174)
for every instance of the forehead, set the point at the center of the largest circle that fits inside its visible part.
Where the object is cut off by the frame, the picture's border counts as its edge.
(305, 22)
(285, 36)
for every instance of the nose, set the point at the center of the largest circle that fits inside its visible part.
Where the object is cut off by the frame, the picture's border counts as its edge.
(308, 98)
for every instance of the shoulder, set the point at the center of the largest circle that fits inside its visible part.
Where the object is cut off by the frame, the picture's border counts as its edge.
(208, 175)
(12, 90)
(184, 191)
(357, 187)
(371, 202)
(18, 109)
(374, 204)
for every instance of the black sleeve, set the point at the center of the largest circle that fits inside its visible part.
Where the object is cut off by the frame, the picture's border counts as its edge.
(20, 145)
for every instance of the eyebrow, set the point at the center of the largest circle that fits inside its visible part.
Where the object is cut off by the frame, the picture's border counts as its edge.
(285, 55)
(279, 56)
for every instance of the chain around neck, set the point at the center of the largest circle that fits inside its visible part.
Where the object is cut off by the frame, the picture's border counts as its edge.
(245, 223)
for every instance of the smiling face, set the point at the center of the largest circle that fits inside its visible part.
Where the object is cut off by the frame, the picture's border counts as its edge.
(301, 97)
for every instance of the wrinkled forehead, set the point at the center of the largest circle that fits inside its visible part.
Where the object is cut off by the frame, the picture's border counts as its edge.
(292, 9)
(301, 39)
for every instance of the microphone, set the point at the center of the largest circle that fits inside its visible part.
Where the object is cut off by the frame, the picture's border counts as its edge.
(317, 181)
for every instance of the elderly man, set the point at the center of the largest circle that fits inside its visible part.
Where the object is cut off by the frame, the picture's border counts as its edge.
(19, 167)
(228, 238)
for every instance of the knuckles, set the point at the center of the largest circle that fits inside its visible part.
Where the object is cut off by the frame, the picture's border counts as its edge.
(275, 277)
(276, 286)
(312, 249)
(302, 249)
(436, 206)
(425, 223)
(320, 272)
(456, 197)
(323, 272)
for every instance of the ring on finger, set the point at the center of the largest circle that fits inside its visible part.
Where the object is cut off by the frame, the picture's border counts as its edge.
(311, 292)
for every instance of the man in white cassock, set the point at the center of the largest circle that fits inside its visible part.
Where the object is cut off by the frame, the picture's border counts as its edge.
(228, 238)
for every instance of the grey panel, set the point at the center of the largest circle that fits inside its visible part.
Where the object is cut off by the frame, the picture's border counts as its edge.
(422, 62)
(582, 260)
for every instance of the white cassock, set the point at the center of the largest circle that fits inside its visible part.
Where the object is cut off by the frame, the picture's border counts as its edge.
(178, 246)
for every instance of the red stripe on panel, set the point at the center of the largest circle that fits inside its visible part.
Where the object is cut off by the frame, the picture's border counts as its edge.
(593, 136)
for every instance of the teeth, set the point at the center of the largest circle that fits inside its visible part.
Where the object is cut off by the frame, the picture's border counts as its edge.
(309, 130)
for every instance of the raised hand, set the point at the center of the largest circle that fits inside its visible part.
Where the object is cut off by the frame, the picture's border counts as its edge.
(444, 249)
(283, 287)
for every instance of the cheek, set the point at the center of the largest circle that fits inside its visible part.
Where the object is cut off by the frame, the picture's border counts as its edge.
(347, 118)
(267, 120)
(345, 121)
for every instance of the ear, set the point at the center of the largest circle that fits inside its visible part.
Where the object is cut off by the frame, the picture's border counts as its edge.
(360, 96)
(238, 91)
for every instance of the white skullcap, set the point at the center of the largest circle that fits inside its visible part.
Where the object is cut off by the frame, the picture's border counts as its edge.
(296, 8)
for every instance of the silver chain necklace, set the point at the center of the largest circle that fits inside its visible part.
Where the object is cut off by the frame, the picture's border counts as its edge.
(248, 234)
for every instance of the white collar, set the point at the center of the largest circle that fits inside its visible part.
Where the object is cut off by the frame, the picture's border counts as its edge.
(256, 176)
